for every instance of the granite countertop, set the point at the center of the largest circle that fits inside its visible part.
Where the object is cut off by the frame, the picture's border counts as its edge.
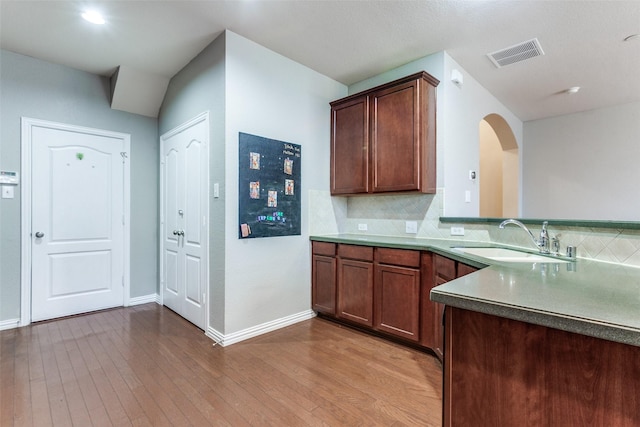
(586, 297)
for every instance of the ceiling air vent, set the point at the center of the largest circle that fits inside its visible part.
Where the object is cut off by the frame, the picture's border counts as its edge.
(520, 52)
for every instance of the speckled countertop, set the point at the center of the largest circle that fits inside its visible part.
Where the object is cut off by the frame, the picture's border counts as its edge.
(586, 297)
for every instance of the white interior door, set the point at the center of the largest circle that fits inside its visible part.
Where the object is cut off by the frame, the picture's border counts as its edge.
(184, 220)
(77, 221)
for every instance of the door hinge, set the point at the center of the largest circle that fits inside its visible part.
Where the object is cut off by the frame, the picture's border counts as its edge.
(124, 155)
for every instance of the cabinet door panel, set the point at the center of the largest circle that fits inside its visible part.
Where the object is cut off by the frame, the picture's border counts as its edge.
(324, 284)
(444, 267)
(355, 291)
(427, 307)
(464, 269)
(398, 301)
(438, 322)
(395, 138)
(349, 147)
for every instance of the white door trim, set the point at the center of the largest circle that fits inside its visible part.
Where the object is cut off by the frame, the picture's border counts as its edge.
(25, 202)
(202, 117)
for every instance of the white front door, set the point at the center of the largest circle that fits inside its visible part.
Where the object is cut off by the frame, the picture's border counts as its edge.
(184, 219)
(77, 220)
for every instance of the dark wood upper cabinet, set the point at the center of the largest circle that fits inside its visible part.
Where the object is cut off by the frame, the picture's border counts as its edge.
(350, 146)
(384, 139)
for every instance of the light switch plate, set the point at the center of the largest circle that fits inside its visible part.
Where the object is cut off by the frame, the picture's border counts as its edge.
(411, 227)
(7, 192)
(362, 227)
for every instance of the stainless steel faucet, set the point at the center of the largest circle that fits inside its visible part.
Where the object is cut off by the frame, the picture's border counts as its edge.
(542, 243)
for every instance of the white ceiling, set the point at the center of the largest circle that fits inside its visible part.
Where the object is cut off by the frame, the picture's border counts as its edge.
(353, 40)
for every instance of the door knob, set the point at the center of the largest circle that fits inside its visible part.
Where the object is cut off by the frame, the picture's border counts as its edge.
(181, 232)
(176, 232)
(39, 234)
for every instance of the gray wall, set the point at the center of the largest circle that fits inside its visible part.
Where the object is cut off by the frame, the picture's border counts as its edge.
(198, 87)
(267, 94)
(583, 165)
(248, 88)
(37, 89)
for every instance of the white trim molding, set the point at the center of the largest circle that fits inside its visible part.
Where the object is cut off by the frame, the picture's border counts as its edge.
(144, 299)
(254, 331)
(9, 324)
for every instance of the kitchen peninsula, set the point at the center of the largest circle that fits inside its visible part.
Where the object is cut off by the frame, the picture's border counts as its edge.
(534, 343)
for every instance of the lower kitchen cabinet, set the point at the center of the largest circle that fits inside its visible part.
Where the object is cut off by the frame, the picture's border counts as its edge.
(383, 289)
(397, 292)
(355, 284)
(445, 270)
(323, 270)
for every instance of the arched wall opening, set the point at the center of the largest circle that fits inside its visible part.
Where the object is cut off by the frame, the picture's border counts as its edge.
(499, 168)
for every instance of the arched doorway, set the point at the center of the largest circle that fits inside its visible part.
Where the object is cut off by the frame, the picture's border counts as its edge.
(499, 168)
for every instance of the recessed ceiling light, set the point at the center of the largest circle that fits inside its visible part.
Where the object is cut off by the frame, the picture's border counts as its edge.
(93, 17)
(632, 37)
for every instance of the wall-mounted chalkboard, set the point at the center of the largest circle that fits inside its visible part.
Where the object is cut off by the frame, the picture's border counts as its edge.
(269, 187)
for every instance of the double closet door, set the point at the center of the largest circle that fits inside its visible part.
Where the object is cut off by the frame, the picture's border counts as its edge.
(184, 219)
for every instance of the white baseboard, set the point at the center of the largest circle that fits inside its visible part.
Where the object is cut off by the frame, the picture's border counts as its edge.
(145, 299)
(9, 324)
(254, 331)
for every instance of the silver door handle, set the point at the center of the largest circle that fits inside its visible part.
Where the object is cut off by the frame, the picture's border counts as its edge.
(181, 232)
(176, 232)
(39, 234)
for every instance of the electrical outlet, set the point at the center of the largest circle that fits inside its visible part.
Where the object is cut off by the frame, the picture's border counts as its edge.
(457, 231)
(362, 227)
(411, 227)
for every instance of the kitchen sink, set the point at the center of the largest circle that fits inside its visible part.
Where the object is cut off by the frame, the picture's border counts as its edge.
(508, 255)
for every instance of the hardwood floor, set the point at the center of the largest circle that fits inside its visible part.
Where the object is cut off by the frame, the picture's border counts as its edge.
(146, 366)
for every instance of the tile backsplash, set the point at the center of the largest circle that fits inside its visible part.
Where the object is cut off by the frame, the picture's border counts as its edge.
(387, 214)
(620, 246)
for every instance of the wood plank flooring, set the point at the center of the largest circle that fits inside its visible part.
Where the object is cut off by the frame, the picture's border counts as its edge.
(146, 366)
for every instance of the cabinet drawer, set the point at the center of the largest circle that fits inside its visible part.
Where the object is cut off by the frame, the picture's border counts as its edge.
(364, 253)
(444, 267)
(404, 257)
(323, 248)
